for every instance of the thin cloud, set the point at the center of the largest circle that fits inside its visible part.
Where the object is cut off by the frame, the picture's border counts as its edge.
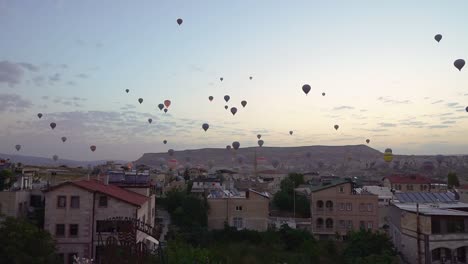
(438, 102)
(55, 78)
(343, 107)
(387, 124)
(82, 76)
(452, 105)
(393, 101)
(11, 73)
(13, 103)
(438, 126)
(29, 66)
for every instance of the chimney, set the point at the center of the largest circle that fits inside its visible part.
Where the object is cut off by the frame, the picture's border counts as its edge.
(106, 179)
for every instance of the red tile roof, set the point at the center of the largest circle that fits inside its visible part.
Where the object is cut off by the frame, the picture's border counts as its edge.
(111, 190)
(411, 179)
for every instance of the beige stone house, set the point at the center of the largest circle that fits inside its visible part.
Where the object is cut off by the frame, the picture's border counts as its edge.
(413, 183)
(242, 210)
(76, 212)
(429, 228)
(336, 209)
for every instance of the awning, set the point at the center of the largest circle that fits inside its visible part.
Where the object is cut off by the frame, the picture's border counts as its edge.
(153, 240)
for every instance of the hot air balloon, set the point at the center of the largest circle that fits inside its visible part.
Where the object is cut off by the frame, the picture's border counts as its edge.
(466, 108)
(165, 141)
(64, 139)
(306, 88)
(210, 98)
(323, 94)
(244, 103)
(127, 90)
(180, 21)
(140, 100)
(290, 132)
(160, 106)
(55, 157)
(240, 159)
(221, 79)
(150, 120)
(438, 37)
(167, 103)
(172, 163)
(388, 155)
(459, 64)
(233, 110)
(236, 145)
(259, 136)
(226, 107)
(171, 152)
(226, 98)
(18, 147)
(92, 148)
(250, 77)
(228, 147)
(336, 127)
(275, 163)
(165, 110)
(39, 115)
(205, 126)
(53, 125)
(367, 141)
(260, 143)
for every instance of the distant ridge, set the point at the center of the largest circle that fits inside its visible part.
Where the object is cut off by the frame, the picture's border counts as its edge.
(41, 161)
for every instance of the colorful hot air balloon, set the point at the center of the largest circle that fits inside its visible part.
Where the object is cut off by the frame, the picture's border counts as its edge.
(140, 100)
(228, 147)
(275, 163)
(64, 139)
(290, 132)
(388, 155)
(236, 145)
(53, 125)
(160, 106)
(244, 103)
(260, 143)
(172, 163)
(259, 136)
(306, 88)
(210, 98)
(233, 110)
(226, 107)
(226, 98)
(180, 21)
(18, 147)
(55, 157)
(165, 142)
(127, 90)
(336, 127)
(92, 148)
(150, 120)
(438, 37)
(367, 141)
(165, 110)
(459, 64)
(167, 103)
(205, 126)
(171, 152)
(39, 115)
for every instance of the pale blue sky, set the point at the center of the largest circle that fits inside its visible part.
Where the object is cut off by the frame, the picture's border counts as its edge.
(377, 61)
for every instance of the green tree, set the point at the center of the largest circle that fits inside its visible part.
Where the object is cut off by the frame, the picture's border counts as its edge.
(284, 199)
(186, 210)
(452, 180)
(365, 247)
(6, 179)
(22, 242)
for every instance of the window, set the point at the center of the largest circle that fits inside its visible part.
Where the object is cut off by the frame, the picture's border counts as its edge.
(0, 208)
(436, 254)
(342, 224)
(102, 201)
(319, 223)
(238, 223)
(409, 187)
(329, 223)
(435, 225)
(20, 209)
(75, 202)
(61, 201)
(370, 207)
(362, 225)
(73, 230)
(342, 206)
(144, 219)
(61, 258)
(71, 257)
(341, 189)
(329, 205)
(320, 205)
(350, 224)
(362, 207)
(59, 230)
(370, 225)
(349, 207)
(239, 208)
(111, 226)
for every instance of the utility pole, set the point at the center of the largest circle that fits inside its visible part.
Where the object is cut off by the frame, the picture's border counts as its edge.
(418, 234)
(294, 198)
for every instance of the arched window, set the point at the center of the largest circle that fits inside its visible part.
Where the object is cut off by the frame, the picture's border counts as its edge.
(329, 223)
(319, 223)
(320, 205)
(329, 205)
